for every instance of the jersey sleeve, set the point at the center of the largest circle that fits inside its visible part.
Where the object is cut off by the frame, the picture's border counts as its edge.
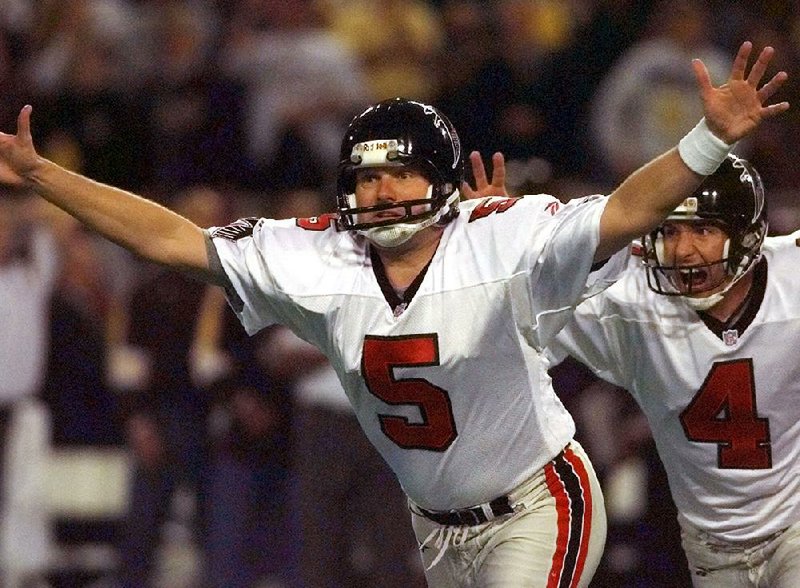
(561, 263)
(547, 248)
(607, 272)
(267, 262)
(594, 336)
(565, 265)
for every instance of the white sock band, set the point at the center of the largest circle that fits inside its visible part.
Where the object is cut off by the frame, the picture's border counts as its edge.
(701, 150)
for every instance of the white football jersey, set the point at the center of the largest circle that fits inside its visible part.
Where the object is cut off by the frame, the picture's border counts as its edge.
(724, 409)
(450, 386)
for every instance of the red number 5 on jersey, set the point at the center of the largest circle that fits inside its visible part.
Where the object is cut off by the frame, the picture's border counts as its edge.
(381, 355)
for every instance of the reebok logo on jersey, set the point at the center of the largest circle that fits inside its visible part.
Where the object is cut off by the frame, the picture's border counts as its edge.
(236, 230)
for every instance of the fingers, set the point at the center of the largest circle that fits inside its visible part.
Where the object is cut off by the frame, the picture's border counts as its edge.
(760, 66)
(498, 170)
(478, 170)
(467, 192)
(24, 122)
(483, 188)
(768, 89)
(740, 62)
(774, 109)
(702, 76)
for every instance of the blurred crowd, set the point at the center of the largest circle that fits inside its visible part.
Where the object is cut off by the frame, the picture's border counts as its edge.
(229, 108)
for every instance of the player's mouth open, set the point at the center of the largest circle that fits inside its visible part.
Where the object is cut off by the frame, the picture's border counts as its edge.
(691, 279)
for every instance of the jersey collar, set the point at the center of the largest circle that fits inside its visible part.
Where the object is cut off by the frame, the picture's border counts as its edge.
(744, 315)
(396, 302)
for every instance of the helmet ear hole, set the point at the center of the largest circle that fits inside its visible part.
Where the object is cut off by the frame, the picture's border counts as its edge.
(749, 240)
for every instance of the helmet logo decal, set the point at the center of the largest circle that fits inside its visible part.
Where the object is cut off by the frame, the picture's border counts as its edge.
(746, 176)
(440, 124)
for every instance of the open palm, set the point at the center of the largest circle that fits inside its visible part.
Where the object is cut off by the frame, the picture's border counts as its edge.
(736, 108)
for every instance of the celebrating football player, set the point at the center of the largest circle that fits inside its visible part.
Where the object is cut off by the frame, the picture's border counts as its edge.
(698, 330)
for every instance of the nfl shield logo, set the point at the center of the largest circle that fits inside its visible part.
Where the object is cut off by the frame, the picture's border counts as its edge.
(730, 337)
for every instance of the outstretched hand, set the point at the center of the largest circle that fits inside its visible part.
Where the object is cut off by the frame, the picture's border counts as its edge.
(17, 154)
(737, 107)
(483, 188)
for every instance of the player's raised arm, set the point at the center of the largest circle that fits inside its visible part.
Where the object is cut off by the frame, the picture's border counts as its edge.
(732, 111)
(140, 225)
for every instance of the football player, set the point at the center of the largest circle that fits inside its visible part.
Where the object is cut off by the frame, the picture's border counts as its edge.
(436, 313)
(701, 331)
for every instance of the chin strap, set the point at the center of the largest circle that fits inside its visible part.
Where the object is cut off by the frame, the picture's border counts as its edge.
(390, 236)
(709, 301)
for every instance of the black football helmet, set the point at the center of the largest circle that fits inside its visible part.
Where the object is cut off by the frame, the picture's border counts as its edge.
(733, 198)
(400, 132)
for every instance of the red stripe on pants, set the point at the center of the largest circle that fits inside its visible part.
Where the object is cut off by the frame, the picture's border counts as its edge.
(557, 490)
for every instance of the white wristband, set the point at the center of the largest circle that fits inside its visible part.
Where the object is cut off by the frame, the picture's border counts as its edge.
(702, 151)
